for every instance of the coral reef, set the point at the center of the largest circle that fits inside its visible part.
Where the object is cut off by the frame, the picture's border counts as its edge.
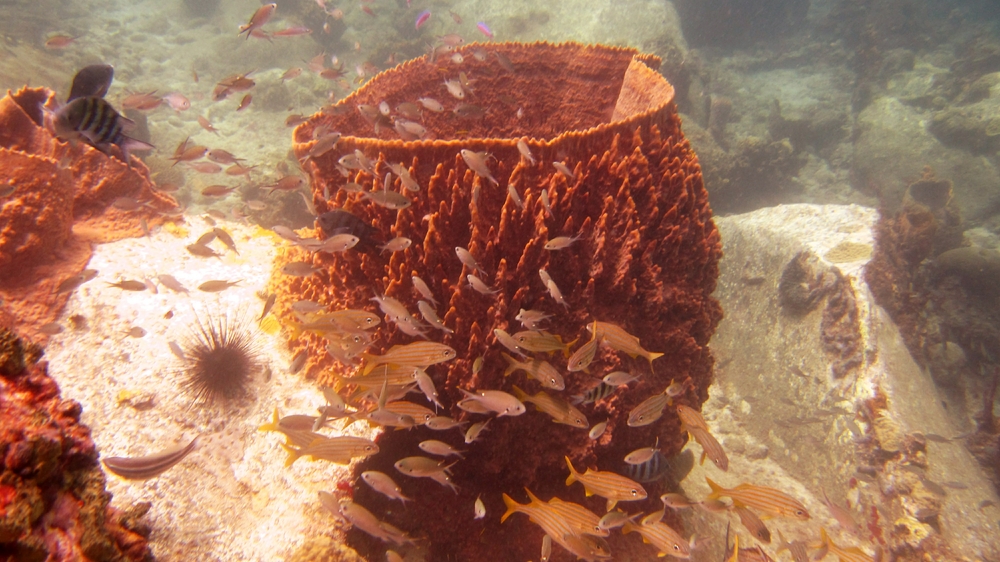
(53, 503)
(63, 198)
(647, 260)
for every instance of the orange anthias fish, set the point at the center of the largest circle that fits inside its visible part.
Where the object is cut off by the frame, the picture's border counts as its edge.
(258, 19)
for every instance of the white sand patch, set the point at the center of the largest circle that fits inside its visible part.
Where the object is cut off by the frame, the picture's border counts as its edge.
(232, 498)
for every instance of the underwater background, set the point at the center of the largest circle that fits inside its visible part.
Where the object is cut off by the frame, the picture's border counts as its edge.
(419, 280)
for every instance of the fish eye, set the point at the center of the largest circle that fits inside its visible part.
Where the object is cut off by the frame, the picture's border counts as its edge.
(677, 548)
(635, 492)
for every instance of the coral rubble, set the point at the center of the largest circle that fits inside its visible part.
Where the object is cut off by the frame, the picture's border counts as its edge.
(63, 198)
(647, 260)
(53, 503)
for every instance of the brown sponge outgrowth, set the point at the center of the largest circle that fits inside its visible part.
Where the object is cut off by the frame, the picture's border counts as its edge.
(646, 259)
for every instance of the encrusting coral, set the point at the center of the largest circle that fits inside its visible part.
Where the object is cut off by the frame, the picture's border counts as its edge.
(647, 260)
(53, 503)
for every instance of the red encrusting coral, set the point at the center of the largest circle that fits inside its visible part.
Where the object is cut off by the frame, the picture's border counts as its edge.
(53, 503)
(62, 201)
(647, 260)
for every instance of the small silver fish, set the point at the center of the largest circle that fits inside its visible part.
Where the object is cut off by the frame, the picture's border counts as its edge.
(564, 170)
(397, 244)
(466, 258)
(512, 192)
(480, 286)
(619, 378)
(268, 304)
(476, 161)
(479, 508)
(388, 199)
(598, 429)
(384, 484)
(439, 448)
(522, 147)
(299, 269)
(503, 403)
(216, 286)
(474, 430)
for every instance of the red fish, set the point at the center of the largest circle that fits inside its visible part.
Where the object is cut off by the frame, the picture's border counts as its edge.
(142, 102)
(177, 101)
(207, 125)
(245, 102)
(258, 19)
(422, 18)
(292, 31)
(59, 41)
(485, 29)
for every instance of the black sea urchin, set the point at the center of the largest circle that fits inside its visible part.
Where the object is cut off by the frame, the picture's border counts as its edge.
(221, 358)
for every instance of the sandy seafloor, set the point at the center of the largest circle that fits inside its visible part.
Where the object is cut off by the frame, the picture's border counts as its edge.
(232, 498)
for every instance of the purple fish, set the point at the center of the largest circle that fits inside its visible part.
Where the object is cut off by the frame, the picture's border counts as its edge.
(422, 18)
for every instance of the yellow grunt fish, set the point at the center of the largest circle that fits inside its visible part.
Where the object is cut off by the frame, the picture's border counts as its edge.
(649, 410)
(339, 450)
(583, 357)
(542, 342)
(561, 411)
(555, 526)
(608, 485)
(710, 448)
(542, 371)
(419, 354)
(620, 340)
(657, 533)
(852, 554)
(762, 498)
(752, 522)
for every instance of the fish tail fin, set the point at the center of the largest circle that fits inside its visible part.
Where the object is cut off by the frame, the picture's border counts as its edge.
(293, 454)
(519, 394)
(534, 499)
(651, 356)
(824, 538)
(716, 489)
(511, 364)
(628, 527)
(703, 455)
(572, 473)
(295, 328)
(273, 424)
(369, 363)
(512, 507)
(567, 346)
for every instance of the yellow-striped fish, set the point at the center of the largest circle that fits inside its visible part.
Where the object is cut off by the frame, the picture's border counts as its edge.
(581, 518)
(710, 448)
(649, 410)
(542, 371)
(583, 357)
(620, 340)
(608, 485)
(555, 525)
(852, 554)
(398, 375)
(690, 418)
(420, 414)
(657, 533)
(753, 524)
(339, 450)
(561, 411)
(541, 342)
(419, 354)
(762, 498)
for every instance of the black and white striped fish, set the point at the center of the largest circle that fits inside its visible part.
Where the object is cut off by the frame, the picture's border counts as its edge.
(653, 469)
(599, 392)
(94, 120)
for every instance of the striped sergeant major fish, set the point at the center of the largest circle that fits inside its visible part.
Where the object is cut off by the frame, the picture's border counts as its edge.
(95, 121)
(649, 471)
